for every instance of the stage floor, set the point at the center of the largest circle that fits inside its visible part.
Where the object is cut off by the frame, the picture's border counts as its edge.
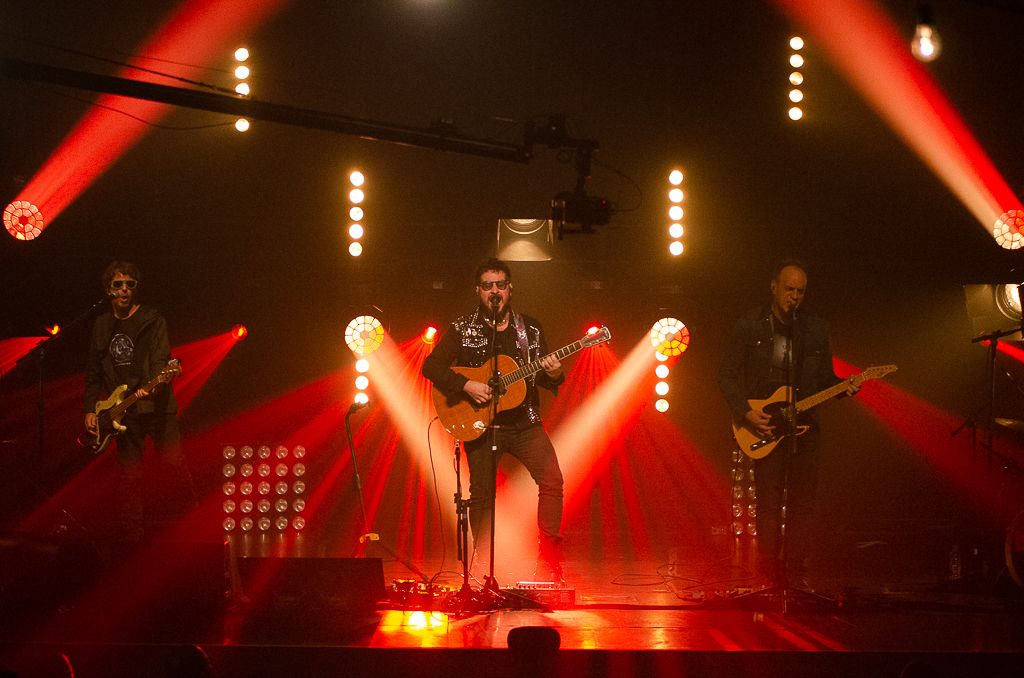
(692, 615)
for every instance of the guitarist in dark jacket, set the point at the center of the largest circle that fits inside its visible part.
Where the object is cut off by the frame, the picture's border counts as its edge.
(772, 346)
(519, 430)
(129, 345)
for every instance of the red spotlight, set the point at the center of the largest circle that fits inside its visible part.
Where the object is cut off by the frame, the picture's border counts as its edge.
(23, 220)
(593, 329)
(429, 334)
(239, 332)
(54, 331)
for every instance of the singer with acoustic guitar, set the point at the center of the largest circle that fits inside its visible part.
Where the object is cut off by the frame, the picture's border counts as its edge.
(129, 348)
(518, 430)
(778, 346)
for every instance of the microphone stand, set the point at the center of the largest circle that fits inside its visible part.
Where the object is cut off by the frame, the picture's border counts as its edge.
(368, 535)
(490, 583)
(38, 352)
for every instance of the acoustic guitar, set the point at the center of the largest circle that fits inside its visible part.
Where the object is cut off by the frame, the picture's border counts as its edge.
(464, 419)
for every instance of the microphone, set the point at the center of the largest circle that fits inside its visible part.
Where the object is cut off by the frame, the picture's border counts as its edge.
(495, 300)
(357, 406)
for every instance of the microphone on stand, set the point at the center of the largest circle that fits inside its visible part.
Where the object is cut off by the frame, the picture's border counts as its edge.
(357, 406)
(495, 300)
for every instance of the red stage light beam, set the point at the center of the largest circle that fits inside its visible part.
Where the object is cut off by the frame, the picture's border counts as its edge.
(199, 360)
(864, 44)
(198, 33)
(12, 350)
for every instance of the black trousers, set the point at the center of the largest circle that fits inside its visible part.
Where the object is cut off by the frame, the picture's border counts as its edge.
(787, 555)
(162, 428)
(533, 448)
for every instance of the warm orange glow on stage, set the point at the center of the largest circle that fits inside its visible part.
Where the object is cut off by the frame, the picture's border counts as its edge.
(196, 34)
(865, 45)
(607, 435)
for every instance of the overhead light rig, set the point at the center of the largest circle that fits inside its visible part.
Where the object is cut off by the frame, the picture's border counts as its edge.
(568, 207)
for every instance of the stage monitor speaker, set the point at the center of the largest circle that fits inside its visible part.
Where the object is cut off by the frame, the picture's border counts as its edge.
(353, 583)
(309, 599)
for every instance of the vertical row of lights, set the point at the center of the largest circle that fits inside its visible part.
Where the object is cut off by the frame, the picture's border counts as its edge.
(744, 496)
(242, 89)
(675, 212)
(356, 197)
(362, 382)
(670, 338)
(796, 78)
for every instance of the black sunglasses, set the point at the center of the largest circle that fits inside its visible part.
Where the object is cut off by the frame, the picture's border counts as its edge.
(488, 284)
(130, 284)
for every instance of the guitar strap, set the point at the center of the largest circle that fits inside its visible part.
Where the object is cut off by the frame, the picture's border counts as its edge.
(521, 339)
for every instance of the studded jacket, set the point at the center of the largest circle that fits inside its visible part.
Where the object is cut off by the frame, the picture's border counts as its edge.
(467, 343)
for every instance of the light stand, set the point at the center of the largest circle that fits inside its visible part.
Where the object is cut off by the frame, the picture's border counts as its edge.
(367, 534)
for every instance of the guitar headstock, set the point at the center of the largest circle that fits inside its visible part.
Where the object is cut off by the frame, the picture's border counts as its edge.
(599, 337)
(875, 372)
(172, 370)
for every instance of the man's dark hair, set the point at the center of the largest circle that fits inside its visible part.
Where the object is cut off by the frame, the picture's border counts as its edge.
(492, 264)
(124, 268)
(795, 263)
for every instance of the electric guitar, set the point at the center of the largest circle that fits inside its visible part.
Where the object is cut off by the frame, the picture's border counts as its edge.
(464, 419)
(110, 411)
(757, 446)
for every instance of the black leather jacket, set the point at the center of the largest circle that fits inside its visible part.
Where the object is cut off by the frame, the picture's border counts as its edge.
(467, 342)
(744, 373)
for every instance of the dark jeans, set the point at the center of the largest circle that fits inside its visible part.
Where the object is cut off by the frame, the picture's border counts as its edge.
(163, 429)
(770, 476)
(533, 448)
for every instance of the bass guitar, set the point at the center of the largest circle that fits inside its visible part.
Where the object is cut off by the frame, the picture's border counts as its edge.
(110, 411)
(784, 417)
(464, 419)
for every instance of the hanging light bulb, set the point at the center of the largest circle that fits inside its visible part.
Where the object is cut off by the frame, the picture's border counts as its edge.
(926, 45)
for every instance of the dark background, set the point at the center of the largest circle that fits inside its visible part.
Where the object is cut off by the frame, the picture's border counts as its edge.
(249, 228)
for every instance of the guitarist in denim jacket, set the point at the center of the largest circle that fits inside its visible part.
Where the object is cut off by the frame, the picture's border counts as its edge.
(129, 345)
(519, 430)
(772, 346)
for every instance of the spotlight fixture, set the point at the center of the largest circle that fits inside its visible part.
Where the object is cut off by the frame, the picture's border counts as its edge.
(364, 334)
(1007, 230)
(576, 207)
(429, 335)
(239, 332)
(994, 308)
(670, 337)
(23, 220)
(926, 44)
(525, 239)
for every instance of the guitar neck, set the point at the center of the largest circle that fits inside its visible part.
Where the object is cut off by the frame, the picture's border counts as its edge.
(830, 392)
(119, 409)
(534, 367)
